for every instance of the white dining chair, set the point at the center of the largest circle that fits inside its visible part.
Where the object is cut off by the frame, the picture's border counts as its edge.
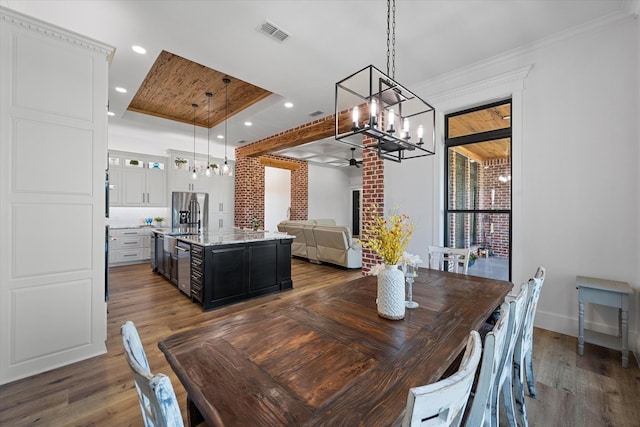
(449, 259)
(523, 352)
(443, 403)
(155, 393)
(479, 413)
(503, 386)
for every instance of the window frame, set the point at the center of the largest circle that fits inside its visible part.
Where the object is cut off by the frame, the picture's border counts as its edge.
(472, 139)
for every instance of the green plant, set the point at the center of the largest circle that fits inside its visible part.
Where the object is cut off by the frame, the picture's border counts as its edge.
(180, 160)
(158, 219)
(134, 162)
(213, 166)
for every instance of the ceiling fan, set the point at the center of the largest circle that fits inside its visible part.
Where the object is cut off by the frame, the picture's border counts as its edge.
(352, 160)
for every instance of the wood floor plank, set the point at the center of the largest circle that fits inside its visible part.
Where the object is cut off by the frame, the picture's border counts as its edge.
(593, 390)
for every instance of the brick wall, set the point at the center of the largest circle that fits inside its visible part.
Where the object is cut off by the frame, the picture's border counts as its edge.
(492, 229)
(249, 190)
(372, 193)
(491, 171)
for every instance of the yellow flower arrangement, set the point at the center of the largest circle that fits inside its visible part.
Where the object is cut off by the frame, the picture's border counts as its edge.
(387, 237)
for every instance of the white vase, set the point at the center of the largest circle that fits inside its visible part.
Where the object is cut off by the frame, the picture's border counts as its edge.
(390, 300)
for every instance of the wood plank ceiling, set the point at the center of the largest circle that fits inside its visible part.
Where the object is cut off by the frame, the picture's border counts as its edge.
(174, 83)
(492, 118)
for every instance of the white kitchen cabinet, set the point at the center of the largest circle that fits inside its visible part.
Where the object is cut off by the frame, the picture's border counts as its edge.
(138, 179)
(221, 189)
(115, 187)
(129, 246)
(53, 111)
(183, 181)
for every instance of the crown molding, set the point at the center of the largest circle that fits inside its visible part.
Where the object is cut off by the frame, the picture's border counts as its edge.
(433, 87)
(28, 23)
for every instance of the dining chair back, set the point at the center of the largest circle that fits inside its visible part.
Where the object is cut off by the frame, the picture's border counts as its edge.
(504, 384)
(479, 413)
(449, 259)
(155, 393)
(523, 352)
(443, 403)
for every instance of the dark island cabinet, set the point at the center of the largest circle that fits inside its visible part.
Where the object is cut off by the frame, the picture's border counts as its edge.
(237, 271)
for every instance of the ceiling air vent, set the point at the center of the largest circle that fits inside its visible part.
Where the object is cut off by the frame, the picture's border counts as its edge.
(316, 113)
(272, 30)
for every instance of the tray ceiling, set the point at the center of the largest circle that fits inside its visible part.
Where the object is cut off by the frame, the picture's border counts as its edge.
(174, 84)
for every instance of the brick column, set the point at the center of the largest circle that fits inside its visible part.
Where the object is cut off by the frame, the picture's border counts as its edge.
(249, 190)
(372, 193)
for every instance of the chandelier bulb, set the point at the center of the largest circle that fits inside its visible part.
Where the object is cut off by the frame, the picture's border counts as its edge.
(194, 174)
(208, 171)
(391, 118)
(355, 116)
(374, 112)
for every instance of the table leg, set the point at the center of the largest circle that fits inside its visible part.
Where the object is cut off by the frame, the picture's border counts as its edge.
(580, 328)
(193, 414)
(624, 327)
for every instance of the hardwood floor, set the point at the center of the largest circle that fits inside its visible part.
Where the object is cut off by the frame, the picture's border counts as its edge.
(593, 390)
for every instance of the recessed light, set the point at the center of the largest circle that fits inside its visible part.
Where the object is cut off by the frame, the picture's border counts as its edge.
(121, 90)
(220, 136)
(110, 113)
(506, 118)
(288, 104)
(248, 123)
(139, 49)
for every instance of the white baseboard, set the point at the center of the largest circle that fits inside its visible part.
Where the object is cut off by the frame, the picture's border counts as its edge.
(569, 326)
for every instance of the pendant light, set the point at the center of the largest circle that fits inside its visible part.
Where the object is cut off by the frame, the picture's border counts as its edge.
(373, 104)
(226, 168)
(194, 174)
(208, 171)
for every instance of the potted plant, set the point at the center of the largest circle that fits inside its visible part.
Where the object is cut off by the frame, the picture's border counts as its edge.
(158, 220)
(472, 258)
(214, 167)
(134, 162)
(180, 162)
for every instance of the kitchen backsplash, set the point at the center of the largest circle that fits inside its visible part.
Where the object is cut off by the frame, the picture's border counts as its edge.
(132, 217)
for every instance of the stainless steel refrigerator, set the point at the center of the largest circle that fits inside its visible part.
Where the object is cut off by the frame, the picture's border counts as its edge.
(189, 212)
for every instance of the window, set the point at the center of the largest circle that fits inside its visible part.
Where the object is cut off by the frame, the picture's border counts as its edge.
(478, 188)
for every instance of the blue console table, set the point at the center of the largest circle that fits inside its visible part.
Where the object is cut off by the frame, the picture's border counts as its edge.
(612, 294)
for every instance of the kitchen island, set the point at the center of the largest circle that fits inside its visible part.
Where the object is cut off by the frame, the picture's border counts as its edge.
(227, 266)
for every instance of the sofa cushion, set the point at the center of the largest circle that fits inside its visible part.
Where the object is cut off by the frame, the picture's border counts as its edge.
(335, 245)
(320, 240)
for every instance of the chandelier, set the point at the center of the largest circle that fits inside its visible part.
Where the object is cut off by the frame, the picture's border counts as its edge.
(372, 103)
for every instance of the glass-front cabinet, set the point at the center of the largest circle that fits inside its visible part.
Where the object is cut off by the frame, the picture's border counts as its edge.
(137, 180)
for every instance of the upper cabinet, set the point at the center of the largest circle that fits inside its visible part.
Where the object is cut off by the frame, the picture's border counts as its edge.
(137, 179)
(221, 188)
(181, 166)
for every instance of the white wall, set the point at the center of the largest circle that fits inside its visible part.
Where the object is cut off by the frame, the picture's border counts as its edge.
(330, 194)
(277, 196)
(575, 164)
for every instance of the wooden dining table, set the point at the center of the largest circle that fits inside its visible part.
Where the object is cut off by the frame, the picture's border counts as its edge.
(325, 357)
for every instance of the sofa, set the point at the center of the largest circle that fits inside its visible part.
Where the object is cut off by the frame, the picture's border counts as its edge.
(321, 241)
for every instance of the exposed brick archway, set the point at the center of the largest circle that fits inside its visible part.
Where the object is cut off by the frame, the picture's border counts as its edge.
(249, 177)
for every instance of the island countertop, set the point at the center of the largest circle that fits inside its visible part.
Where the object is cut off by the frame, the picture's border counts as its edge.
(226, 236)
